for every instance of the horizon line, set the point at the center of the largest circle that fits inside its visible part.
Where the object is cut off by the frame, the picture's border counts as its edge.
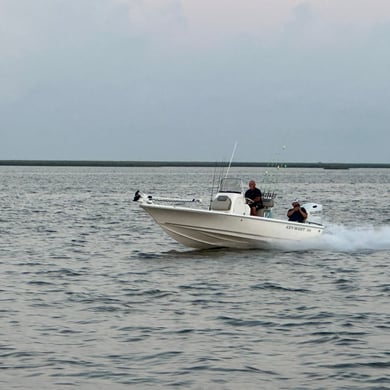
(178, 163)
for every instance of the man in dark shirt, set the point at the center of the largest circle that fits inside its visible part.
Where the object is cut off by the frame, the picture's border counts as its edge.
(297, 213)
(254, 195)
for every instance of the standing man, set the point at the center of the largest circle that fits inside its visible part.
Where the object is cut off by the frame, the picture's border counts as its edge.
(297, 213)
(254, 194)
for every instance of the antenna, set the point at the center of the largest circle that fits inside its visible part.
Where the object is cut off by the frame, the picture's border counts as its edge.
(231, 158)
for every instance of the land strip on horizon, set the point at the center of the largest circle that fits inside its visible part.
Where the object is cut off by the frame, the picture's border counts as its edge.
(103, 163)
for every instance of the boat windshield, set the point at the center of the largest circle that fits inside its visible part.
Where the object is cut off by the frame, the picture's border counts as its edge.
(231, 184)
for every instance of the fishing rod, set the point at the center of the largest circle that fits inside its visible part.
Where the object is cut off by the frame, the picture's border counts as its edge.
(212, 187)
(231, 158)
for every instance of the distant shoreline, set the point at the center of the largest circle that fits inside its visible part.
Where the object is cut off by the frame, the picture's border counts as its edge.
(97, 163)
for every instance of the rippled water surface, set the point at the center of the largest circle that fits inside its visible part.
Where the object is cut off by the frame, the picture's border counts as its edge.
(94, 295)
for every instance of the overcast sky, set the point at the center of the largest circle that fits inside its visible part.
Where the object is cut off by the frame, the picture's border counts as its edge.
(289, 80)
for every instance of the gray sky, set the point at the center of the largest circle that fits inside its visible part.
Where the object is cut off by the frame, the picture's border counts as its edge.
(289, 80)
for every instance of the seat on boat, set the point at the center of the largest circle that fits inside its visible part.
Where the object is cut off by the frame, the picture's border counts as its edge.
(268, 202)
(260, 213)
(266, 211)
(221, 203)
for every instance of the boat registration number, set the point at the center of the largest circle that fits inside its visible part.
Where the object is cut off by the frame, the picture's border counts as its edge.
(299, 228)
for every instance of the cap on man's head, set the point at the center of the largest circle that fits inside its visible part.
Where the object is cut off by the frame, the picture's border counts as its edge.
(295, 201)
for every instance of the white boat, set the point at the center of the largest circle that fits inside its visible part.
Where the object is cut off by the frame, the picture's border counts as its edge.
(227, 221)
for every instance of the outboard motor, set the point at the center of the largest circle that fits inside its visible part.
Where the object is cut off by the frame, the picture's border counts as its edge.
(314, 212)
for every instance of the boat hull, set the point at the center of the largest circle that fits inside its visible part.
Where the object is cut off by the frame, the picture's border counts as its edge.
(205, 229)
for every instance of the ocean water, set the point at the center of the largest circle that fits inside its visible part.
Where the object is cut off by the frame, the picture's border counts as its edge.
(93, 295)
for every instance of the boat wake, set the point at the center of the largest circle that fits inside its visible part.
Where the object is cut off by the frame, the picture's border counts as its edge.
(349, 239)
